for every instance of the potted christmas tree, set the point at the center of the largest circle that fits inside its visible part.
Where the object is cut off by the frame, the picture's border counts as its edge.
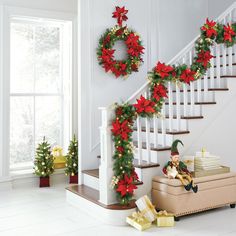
(43, 164)
(72, 161)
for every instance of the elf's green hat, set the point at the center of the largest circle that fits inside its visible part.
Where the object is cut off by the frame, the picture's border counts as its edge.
(174, 149)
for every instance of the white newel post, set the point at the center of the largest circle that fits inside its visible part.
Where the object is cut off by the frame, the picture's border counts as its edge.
(107, 194)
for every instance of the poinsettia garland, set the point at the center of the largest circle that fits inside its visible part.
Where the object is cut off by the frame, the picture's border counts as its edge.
(105, 51)
(122, 126)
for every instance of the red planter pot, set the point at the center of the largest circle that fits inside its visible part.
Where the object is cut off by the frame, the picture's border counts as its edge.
(44, 182)
(74, 179)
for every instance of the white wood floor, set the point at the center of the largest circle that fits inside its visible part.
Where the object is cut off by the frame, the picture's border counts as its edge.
(45, 212)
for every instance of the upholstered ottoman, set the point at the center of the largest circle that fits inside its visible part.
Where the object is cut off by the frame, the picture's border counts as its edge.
(213, 192)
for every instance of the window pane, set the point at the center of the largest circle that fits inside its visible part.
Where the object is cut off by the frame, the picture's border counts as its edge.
(22, 60)
(47, 119)
(47, 54)
(21, 130)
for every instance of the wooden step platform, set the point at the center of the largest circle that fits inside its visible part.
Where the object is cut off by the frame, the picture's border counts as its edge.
(158, 148)
(196, 103)
(92, 195)
(210, 89)
(94, 172)
(173, 132)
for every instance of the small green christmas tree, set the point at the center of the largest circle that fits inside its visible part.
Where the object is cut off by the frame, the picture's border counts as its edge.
(72, 158)
(43, 164)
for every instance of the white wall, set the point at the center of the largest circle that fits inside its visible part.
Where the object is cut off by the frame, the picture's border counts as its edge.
(216, 7)
(179, 23)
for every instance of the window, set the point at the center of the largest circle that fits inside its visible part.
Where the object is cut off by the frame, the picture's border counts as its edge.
(40, 85)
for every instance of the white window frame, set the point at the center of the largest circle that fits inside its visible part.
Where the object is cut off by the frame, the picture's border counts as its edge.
(6, 13)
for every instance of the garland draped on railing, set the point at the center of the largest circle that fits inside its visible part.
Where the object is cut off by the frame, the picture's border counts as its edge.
(122, 126)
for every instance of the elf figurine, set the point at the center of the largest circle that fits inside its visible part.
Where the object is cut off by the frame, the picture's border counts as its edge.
(176, 169)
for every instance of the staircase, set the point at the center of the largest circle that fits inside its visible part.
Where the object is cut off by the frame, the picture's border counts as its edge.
(185, 113)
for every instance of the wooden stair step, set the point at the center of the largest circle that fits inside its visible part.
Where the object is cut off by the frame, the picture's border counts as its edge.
(234, 64)
(210, 89)
(196, 103)
(158, 148)
(144, 164)
(94, 172)
(173, 132)
(187, 117)
(226, 55)
(92, 195)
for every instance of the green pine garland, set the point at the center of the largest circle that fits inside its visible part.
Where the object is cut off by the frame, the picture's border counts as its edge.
(124, 177)
(72, 158)
(43, 164)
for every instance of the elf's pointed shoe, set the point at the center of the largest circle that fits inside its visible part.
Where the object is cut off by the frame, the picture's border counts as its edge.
(195, 189)
(188, 187)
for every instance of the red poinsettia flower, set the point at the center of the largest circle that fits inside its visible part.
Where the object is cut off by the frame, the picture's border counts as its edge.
(159, 92)
(119, 69)
(228, 33)
(163, 70)
(134, 175)
(210, 28)
(119, 111)
(187, 75)
(135, 51)
(120, 149)
(108, 65)
(204, 57)
(107, 40)
(121, 129)
(144, 105)
(126, 186)
(120, 15)
(107, 54)
(132, 40)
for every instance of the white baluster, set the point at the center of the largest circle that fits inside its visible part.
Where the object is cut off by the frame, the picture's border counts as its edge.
(205, 87)
(170, 101)
(163, 124)
(192, 102)
(224, 56)
(139, 140)
(178, 115)
(212, 70)
(218, 83)
(155, 131)
(148, 145)
(185, 92)
(199, 89)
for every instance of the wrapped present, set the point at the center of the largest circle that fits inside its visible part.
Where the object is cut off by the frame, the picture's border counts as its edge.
(165, 219)
(146, 208)
(189, 162)
(59, 159)
(138, 221)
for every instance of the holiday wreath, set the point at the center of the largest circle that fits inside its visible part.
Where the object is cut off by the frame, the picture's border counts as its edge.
(105, 51)
(122, 126)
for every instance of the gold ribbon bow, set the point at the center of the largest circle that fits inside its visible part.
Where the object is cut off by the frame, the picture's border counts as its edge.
(138, 217)
(162, 213)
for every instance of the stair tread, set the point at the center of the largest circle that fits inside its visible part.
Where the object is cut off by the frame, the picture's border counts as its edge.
(93, 196)
(174, 132)
(158, 148)
(93, 172)
(196, 103)
(186, 117)
(210, 89)
(145, 165)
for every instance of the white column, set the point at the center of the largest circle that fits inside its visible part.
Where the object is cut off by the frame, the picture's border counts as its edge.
(107, 194)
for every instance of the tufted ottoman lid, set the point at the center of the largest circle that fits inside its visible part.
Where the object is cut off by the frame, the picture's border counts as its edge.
(174, 186)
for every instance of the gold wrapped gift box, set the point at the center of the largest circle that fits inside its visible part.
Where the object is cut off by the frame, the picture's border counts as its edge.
(138, 221)
(165, 219)
(59, 162)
